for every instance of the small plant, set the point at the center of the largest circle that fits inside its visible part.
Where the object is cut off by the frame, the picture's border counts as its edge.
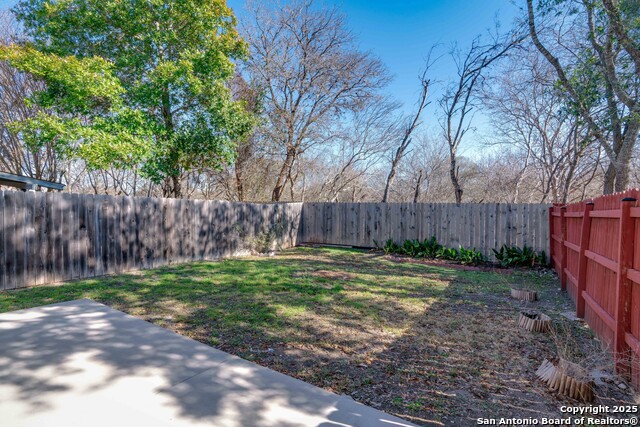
(447, 253)
(410, 248)
(391, 247)
(416, 405)
(470, 256)
(239, 230)
(513, 256)
(429, 248)
(388, 247)
(397, 401)
(266, 240)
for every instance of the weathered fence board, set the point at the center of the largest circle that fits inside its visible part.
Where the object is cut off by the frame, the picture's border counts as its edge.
(52, 237)
(596, 255)
(483, 226)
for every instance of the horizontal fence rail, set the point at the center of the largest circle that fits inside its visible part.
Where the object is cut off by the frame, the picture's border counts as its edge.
(596, 252)
(484, 226)
(54, 237)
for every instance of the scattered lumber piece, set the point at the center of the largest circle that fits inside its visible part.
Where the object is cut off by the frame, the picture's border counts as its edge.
(534, 322)
(567, 379)
(524, 294)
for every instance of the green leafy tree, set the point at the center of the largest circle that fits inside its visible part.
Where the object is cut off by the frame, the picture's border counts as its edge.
(163, 68)
(76, 88)
(597, 63)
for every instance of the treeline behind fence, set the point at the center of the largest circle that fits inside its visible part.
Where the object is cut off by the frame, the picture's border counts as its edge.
(596, 253)
(53, 237)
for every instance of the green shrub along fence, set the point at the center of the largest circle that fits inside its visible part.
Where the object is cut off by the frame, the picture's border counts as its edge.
(507, 256)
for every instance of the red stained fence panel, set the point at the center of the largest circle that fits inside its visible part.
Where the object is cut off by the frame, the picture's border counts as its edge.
(595, 249)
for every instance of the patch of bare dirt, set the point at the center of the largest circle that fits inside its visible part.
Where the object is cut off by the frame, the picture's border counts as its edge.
(459, 359)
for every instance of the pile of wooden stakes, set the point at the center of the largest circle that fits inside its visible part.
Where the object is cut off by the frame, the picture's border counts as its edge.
(534, 322)
(567, 378)
(560, 375)
(524, 294)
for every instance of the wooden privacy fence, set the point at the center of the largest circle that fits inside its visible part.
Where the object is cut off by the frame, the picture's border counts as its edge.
(483, 226)
(596, 252)
(53, 237)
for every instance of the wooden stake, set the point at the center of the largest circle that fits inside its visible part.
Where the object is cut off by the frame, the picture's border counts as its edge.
(557, 375)
(535, 322)
(524, 294)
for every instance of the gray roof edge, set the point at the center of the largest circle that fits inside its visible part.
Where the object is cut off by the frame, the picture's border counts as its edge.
(32, 181)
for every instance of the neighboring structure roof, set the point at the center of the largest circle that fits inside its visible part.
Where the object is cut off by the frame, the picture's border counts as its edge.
(25, 183)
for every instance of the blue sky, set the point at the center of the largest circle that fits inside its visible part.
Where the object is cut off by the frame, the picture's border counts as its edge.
(401, 32)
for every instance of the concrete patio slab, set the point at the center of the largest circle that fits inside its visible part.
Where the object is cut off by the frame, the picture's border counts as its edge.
(81, 363)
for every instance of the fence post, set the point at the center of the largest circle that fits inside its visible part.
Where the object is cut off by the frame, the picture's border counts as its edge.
(582, 267)
(626, 235)
(563, 248)
(551, 232)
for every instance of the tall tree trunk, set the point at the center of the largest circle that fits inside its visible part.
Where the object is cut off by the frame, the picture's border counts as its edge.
(625, 154)
(172, 187)
(278, 189)
(568, 181)
(609, 179)
(239, 183)
(406, 140)
(416, 193)
(177, 186)
(622, 166)
(390, 179)
(453, 173)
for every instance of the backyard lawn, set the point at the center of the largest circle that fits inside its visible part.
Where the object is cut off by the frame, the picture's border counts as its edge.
(432, 343)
